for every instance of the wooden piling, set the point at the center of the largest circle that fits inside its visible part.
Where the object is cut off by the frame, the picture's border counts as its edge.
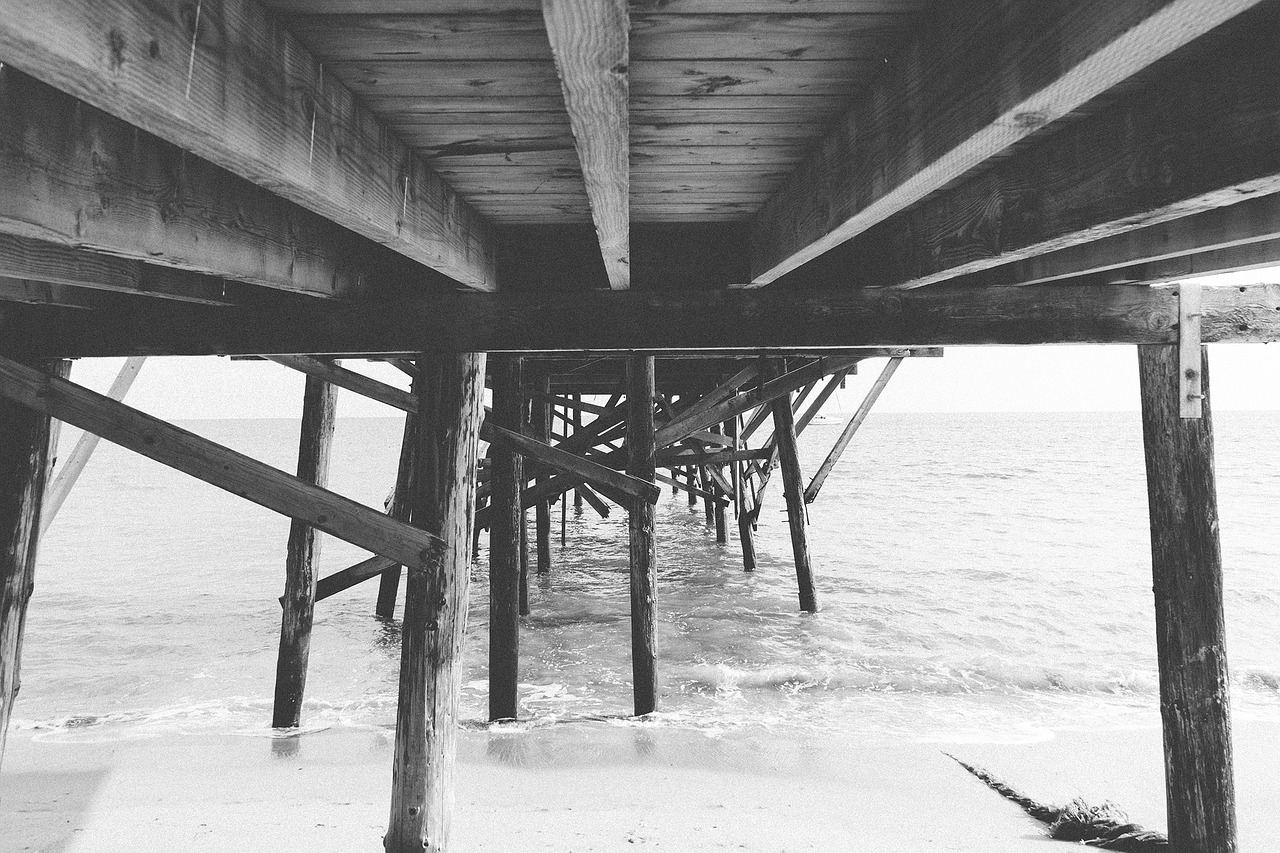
(577, 427)
(319, 410)
(505, 522)
(641, 523)
(784, 432)
(1186, 564)
(389, 583)
(722, 529)
(441, 500)
(540, 415)
(691, 479)
(24, 460)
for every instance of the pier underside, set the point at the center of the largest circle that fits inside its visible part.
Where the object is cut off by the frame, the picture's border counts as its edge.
(660, 234)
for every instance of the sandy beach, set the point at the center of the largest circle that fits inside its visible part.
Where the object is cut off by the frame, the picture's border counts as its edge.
(591, 786)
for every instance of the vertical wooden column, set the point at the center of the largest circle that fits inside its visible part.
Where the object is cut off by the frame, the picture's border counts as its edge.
(24, 460)
(1186, 565)
(708, 505)
(641, 523)
(319, 410)
(389, 583)
(441, 500)
(722, 530)
(577, 428)
(784, 433)
(506, 479)
(540, 414)
(747, 536)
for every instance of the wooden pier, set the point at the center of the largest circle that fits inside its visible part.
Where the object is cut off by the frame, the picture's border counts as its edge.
(661, 234)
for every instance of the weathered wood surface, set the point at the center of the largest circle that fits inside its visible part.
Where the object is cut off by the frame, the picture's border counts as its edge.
(1186, 560)
(235, 88)
(784, 437)
(74, 176)
(217, 465)
(67, 473)
(525, 8)
(442, 500)
(52, 263)
(589, 39)
(24, 460)
(31, 292)
(641, 526)
(352, 575)
(505, 521)
(616, 322)
(344, 377)
(540, 426)
(850, 429)
(981, 76)
(406, 470)
(315, 445)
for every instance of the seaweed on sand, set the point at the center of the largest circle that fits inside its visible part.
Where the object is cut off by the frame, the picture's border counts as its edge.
(1105, 826)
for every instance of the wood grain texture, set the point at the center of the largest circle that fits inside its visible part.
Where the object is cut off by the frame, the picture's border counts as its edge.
(1186, 567)
(76, 177)
(589, 39)
(505, 521)
(980, 77)
(217, 465)
(641, 527)
(442, 500)
(617, 322)
(24, 461)
(315, 445)
(252, 100)
(524, 8)
(1205, 134)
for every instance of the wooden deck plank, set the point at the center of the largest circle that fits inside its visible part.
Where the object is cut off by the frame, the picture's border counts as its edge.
(981, 77)
(236, 89)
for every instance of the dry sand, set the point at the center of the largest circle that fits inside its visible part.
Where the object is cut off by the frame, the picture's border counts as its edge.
(584, 787)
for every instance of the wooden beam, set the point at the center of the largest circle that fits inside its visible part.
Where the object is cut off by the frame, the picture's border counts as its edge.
(617, 322)
(980, 77)
(225, 81)
(73, 177)
(68, 473)
(1186, 564)
(315, 444)
(642, 535)
(352, 575)
(784, 437)
(389, 583)
(540, 426)
(442, 500)
(846, 435)
(217, 465)
(505, 521)
(349, 379)
(589, 40)
(1204, 134)
(24, 460)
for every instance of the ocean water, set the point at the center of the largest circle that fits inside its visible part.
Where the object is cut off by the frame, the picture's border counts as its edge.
(981, 576)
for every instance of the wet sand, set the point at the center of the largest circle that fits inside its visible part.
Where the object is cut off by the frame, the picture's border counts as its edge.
(585, 787)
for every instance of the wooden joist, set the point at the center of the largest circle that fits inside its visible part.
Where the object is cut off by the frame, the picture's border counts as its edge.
(980, 77)
(590, 44)
(74, 177)
(203, 459)
(223, 80)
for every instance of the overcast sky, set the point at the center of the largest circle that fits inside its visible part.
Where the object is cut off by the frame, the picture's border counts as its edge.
(965, 379)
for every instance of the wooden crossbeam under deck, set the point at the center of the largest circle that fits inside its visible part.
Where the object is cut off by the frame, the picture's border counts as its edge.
(203, 459)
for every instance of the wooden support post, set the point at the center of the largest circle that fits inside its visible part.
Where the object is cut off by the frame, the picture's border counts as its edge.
(389, 583)
(505, 524)
(1186, 564)
(641, 522)
(441, 500)
(24, 459)
(722, 530)
(708, 504)
(784, 433)
(319, 410)
(540, 414)
(690, 477)
(846, 435)
(735, 429)
(747, 536)
(577, 427)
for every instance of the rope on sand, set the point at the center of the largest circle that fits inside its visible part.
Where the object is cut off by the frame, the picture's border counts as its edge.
(1105, 826)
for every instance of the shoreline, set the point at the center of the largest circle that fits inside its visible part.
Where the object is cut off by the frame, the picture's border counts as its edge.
(593, 786)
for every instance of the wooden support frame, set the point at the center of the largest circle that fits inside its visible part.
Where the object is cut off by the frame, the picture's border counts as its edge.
(389, 583)
(442, 499)
(506, 518)
(315, 445)
(1186, 563)
(784, 436)
(643, 539)
(239, 91)
(590, 43)
(850, 428)
(540, 422)
(219, 466)
(24, 461)
(882, 156)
